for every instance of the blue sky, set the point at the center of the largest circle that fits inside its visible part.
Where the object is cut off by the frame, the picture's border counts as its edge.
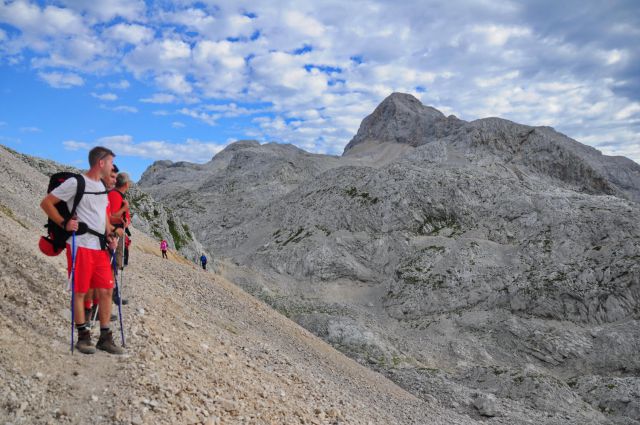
(180, 80)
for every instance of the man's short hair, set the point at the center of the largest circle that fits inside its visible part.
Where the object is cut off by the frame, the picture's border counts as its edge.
(122, 179)
(98, 153)
(115, 169)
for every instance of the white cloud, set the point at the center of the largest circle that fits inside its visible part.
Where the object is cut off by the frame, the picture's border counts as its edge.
(105, 96)
(303, 24)
(125, 108)
(123, 145)
(105, 10)
(61, 80)
(498, 35)
(120, 108)
(628, 111)
(488, 82)
(159, 98)
(233, 110)
(210, 119)
(74, 145)
(129, 33)
(178, 124)
(160, 56)
(33, 20)
(119, 85)
(30, 130)
(319, 70)
(174, 82)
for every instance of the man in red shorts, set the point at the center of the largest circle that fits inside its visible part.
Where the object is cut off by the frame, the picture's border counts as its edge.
(92, 267)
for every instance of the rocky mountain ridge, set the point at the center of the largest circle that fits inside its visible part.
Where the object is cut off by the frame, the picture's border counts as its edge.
(484, 263)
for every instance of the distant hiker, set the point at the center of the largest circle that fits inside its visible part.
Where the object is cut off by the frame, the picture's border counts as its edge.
(92, 235)
(163, 247)
(203, 261)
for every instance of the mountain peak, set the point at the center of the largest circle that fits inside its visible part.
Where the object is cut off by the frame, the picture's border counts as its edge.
(400, 118)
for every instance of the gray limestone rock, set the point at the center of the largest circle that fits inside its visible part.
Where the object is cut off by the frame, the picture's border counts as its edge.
(455, 257)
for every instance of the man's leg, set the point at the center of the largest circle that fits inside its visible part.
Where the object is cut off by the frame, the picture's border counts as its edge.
(104, 300)
(103, 282)
(78, 312)
(81, 280)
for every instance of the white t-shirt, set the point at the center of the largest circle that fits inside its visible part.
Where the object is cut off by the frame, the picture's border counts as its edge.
(91, 210)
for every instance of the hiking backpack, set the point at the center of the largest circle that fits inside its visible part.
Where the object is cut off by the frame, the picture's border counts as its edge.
(56, 240)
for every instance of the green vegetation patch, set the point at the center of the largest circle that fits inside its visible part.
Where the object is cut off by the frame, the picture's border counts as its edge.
(177, 239)
(363, 197)
(432, 225)
(293, 237)
(9, 213)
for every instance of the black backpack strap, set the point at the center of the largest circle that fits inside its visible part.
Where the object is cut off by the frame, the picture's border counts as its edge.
(101, 237)
(77, 198)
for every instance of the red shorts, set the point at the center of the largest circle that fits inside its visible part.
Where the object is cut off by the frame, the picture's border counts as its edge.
(93, 269)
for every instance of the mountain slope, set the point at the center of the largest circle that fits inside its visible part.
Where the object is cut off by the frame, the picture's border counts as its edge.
(461, 259)
(200, 350)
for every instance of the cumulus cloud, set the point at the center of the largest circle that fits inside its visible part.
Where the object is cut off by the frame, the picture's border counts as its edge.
(129, 33)
(191, 150)
(35, 21)
(159, 98)
(105, 96)
(321, 68)
(119, 85)
(120, 108)
(205, 117)
(105, 10)
(30, 130)
(61, 80)
(125, 108)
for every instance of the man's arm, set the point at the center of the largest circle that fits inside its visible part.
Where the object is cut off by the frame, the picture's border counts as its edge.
(48, 205)
(125, 207)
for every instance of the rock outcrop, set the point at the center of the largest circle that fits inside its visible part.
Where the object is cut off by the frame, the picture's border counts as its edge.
(489, 264)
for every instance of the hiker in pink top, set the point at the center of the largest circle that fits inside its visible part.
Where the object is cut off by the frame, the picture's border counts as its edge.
(163, 248)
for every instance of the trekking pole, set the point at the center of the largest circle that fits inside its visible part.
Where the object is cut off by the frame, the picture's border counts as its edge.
(115, 279)
(73, 285)
(124, 236)
(94, 318)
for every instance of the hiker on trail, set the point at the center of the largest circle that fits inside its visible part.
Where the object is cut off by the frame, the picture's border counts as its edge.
(91, 268)
(91, 300)
(203, 261)
(120, 217)
(163, 247)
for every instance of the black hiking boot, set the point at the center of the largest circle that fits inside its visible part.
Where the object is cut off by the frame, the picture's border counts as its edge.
(105, 343)
(84, 342)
